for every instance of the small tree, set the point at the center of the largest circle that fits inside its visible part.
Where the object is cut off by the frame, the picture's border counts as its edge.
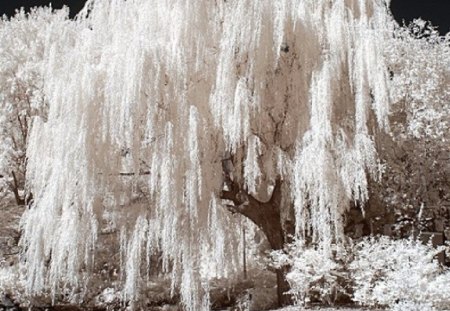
(23, 39)
(416, 151)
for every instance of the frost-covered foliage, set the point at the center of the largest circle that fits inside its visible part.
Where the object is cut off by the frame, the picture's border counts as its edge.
(312, 274)
(416, 154)
(22, 52)
(160, 93)
(412, 306)
(377, 271)
(419, 60)
(386, 272)
(11, 282)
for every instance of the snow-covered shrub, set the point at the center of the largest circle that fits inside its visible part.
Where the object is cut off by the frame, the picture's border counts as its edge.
(11, 284)
(415, 155)
(386, 272)
(378, 271)
(314, 274)
(437, 291)
(412, 306)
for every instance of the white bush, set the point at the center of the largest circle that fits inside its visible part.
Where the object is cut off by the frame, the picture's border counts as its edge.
(399, 274)
(313, 272)
(11, 284)
(412, 306)
(388, 272)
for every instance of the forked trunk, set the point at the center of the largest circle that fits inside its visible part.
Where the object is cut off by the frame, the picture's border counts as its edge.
(266, 215)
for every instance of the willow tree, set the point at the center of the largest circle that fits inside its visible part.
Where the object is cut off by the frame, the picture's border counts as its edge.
(262, 108)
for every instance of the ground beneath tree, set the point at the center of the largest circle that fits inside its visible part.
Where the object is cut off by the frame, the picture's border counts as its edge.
(297, 308)
(261, 285)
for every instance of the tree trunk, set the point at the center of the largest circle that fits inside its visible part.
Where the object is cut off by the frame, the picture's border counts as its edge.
(266, 215)
(15, 189)
(283, 287)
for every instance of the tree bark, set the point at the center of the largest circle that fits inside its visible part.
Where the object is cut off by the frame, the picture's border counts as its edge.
(266, 215)
(15, 189)
(283, 287)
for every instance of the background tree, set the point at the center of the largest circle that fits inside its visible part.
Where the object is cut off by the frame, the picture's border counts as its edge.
(21, 93)
(416, 151)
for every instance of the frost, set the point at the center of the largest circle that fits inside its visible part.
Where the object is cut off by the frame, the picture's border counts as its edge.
(155, 96)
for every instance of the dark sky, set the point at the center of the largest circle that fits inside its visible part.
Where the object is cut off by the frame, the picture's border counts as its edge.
(8, 7)
(437, 11)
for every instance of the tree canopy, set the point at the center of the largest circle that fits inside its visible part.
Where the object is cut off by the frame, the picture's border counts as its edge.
(164, 116)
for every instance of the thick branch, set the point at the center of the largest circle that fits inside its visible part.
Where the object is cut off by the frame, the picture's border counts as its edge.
(129, 173)
(266, 215)
(134, 174)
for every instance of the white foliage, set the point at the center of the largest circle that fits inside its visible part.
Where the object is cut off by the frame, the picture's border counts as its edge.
(22, 53)
(312, 271)
(421, 89)
(387, 271)
(10, 280)
(178, 84)
(252, 172)
(412, 306)
(133, 259)
(398, 274)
